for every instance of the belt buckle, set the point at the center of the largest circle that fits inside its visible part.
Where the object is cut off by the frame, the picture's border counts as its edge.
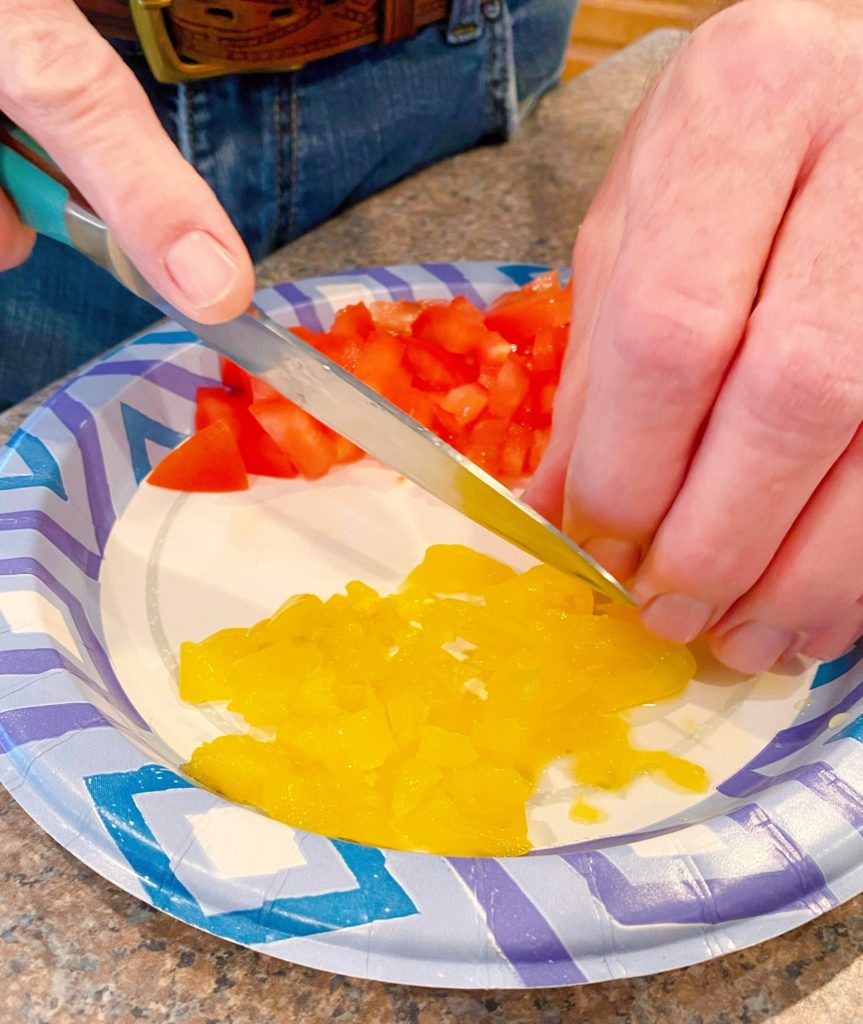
(166, 64)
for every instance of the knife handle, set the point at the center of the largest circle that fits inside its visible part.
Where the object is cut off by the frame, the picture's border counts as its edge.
(34, 184)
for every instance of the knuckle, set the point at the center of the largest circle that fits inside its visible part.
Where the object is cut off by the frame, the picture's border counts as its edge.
(764, 56)
(766, 38)
(679, 341)
(799, 390)
(47, 74)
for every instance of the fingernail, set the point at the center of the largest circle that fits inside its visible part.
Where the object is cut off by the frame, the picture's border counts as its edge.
(754, 646)
(201, 268)
(619, 557)
(676, 617)
(837, 639)
(790, 653)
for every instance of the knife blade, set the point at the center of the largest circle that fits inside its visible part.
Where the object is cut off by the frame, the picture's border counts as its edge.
(319, 386)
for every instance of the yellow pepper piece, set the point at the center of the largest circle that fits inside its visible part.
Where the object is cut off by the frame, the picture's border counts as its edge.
(423, 719)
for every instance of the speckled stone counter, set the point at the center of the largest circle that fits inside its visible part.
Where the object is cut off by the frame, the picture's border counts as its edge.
(74, 948)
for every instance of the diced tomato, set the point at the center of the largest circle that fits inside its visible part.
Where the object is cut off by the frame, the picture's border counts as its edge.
(547, 281)
(495, 349)
(464, 305)
(397, 317)
(465, 403)
(516, 445)
(260, 390)
(395, 386)
(532, 411)
(207, 461)
(483, 381)
(487, 376)
(310, 446)
(382, 355)
(433, 366)
(537, 449)
(213, 404)
(519, 322)
(451, 329)
(346, 352)
(261, 455)
(245, 384)
(235, 377)
(422, 407)
(486, 443)
(352, 322)
(447, 424)
(509, 389)
(347, 451)
(546, 399)
(313, 338)
(518, 316)
(548, 348)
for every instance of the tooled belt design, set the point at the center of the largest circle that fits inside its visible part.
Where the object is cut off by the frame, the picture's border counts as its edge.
(201, 38)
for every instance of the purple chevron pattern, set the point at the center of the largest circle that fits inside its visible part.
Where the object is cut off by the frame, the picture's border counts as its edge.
(753, 866)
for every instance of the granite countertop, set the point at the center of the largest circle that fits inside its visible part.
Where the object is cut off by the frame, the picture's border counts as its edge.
(73, 947)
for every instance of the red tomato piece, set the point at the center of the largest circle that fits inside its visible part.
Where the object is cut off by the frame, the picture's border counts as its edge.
(547, 281)
(485, 445)
(465, 403)
(397, 317)
(537, 449)
(520, 322)
(261, 455)
(446, 425)
(516, 445)
(509, 389)
(347, 451)
(243, 383)
(495, 349)
(464, 305)
(260, 390)
(207, 461)
(548, 348)
(518, 316)
(451, 329)
(235, 377)
(433, 366)
(546, 399)
(352, 322)
(399, 389)
(313, 338)
(309, 445)
(382, 355)
(213, 404)
(422, 407)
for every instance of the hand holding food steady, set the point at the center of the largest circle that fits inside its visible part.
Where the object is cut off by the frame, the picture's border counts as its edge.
(707, 438)
(65, 86)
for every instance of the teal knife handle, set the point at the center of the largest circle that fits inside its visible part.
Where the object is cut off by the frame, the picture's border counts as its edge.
(41, 201)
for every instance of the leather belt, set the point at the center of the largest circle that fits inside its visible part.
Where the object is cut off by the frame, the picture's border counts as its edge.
(189, 39)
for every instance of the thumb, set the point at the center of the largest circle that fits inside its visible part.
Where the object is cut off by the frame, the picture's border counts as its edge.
(62, 83)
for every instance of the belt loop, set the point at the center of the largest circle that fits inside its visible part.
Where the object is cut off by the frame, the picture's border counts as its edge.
(466, 21)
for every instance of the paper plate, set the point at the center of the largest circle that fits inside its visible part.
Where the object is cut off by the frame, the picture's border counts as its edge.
(102, 576)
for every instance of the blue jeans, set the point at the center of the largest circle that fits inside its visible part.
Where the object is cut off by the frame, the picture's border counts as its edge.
(285, 152)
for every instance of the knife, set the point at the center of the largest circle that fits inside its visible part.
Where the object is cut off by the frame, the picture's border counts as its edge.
(50, 204)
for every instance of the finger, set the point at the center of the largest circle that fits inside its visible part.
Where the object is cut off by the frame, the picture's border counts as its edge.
(838, 639)
(708, 183)
(807, 598)
(16, 240)
(62, 83)
(789, 409)
(592, 263)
